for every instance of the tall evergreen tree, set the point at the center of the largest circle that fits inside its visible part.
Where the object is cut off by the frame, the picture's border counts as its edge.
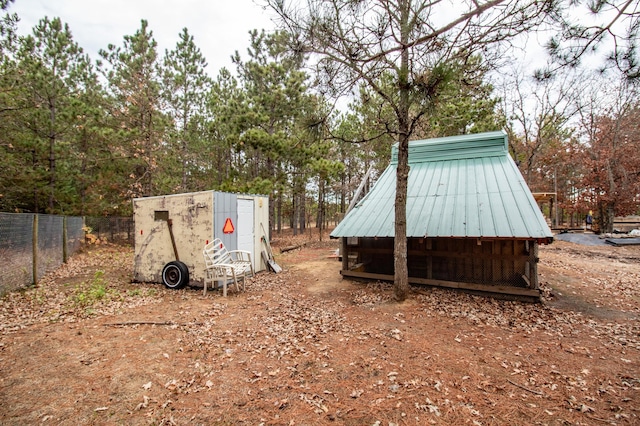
(91, 167)
(50, 63)
(138, 123)
(273, 133)
(466, 105)
(185, 86)
(354, 151)
(221, 164)
(10, 194)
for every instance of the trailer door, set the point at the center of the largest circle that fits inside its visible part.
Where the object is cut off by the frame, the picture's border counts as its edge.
(245, 228)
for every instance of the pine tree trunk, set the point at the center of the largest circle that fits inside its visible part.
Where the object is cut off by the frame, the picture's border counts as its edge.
(36, 198)
(401, 272)
(83, 173)
(184, 154)
(303, 211)
(294, 212)
(343, 185)
(321, 213)
(52, 159)
(279, 212)
(608, 218)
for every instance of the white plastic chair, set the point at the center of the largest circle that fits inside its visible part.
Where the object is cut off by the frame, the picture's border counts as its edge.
(222, 264)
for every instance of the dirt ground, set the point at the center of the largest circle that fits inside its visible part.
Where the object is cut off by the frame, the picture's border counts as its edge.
(305, 347)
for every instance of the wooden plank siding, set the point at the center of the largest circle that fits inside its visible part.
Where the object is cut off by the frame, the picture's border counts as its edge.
(491, 265)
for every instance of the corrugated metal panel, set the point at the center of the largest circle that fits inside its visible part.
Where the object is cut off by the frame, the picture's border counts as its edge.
(225, 207)
(455, 147)
(472, 190)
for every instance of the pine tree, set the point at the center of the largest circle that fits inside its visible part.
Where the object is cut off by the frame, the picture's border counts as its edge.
(273, 133)
(138, 125)
(185, 85)
(50, 63)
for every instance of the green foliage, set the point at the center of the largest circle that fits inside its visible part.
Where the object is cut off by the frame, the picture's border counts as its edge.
(613, 27)
(165, 126)
(44, 120)
(89, 293)
(137, 125)
(466, 102)
(276, 124)
(184, 89)
(84, 138)
(7, 29)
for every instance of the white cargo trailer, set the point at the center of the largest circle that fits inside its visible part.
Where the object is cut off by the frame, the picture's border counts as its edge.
(172, 230)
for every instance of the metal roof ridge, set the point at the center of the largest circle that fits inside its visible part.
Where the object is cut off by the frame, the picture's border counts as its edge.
(464, 138)
(478, 145)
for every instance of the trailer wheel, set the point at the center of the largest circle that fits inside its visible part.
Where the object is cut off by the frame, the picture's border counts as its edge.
(175, 275)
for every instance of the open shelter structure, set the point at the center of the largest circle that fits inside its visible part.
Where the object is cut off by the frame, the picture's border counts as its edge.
(472, 222)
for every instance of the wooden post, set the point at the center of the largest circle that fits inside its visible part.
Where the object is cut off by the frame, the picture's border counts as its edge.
(345, 254)
(65, 254)
(429, 259)
(34, 242)
(534, 267)
(495, 264)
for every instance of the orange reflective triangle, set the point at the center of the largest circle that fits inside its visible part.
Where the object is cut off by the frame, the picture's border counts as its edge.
(228, 226)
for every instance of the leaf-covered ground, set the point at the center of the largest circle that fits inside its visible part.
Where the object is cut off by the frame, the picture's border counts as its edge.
(305, 347)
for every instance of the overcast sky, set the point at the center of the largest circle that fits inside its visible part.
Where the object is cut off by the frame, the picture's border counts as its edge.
(219, 27)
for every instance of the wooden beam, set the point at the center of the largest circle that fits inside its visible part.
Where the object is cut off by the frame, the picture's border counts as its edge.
(445, 253)
(359, 192)
(500, 289)
(293, 247)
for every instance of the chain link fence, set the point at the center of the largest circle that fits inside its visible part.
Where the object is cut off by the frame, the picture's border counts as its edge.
(33, 244)
(16, 251)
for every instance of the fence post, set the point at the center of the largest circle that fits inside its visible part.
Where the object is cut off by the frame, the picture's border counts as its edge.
(34, 241)
(65, 254)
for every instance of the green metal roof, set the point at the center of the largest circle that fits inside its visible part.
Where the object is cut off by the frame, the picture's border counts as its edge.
(462, 186)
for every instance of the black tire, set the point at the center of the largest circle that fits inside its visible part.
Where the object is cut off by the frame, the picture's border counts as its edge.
(175, 275)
